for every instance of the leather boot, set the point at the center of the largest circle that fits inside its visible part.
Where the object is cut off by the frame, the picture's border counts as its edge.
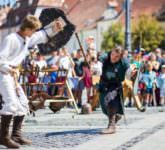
(4, 135)
(16, 133)
(111, 126)
(118, 117)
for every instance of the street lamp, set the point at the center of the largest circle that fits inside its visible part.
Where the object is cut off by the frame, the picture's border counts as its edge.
(128, 25)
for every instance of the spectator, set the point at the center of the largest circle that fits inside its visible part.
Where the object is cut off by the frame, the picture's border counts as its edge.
(159, 58)
(91, 46)
(46, 79)
(29, 60)
(78, 63)
(144, 55)
(148, 78)
(87, 79)
(136, 59)
(41, 63)
(126, 55)
(88, 57)
(158, 53)
(154, 62)
(32, 78)
(52, 61)
(74, 55)
(79, 73)
(64, 61)
(163, 57)
(161, 81)
(96, 66)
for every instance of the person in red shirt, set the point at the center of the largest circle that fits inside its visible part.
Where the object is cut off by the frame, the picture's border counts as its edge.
(87, 80)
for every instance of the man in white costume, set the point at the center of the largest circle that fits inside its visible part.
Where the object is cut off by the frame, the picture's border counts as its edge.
(12, 52)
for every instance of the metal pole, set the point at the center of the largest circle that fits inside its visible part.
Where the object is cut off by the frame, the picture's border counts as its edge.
(128, 25)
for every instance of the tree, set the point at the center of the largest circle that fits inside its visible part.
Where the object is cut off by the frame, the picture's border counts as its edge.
(148, 32)
(113, 37)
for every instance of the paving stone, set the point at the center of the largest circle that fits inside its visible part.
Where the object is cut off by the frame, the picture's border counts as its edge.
(68, 131)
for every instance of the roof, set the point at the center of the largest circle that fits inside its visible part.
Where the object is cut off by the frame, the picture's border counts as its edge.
(144, 7)
(148, 7)
(91, 10)
(85, 13)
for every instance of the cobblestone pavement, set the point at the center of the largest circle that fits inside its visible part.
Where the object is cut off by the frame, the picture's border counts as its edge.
(140, 137)
(68, 131)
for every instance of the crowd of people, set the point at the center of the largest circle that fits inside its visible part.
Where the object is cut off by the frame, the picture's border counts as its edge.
(84, 73)
(97, 75)
(152, 78)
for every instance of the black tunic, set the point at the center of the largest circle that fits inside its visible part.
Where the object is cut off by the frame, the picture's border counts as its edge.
(111, 85)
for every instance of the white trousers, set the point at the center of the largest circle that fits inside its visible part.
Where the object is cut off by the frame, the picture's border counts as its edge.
(12, 103)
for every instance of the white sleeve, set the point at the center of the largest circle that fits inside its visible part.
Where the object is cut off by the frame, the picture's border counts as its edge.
(41, 36)
(37, 38)
(5, 49)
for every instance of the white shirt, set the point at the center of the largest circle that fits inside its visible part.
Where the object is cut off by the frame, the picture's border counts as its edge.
(97, 68)
(14, 48)
(65, 63)
(41, 63)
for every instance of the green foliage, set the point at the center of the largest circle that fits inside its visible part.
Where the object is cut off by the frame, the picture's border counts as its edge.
(114, 36)
(148, 33)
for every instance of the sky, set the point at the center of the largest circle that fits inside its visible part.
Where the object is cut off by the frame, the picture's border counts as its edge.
(4, 2)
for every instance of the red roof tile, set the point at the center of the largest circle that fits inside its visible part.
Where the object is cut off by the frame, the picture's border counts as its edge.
(144, 7)
(149, 7)
(83, 13)
(86, 12)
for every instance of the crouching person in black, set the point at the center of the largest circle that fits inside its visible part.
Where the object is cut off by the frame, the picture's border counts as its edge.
(115, 67)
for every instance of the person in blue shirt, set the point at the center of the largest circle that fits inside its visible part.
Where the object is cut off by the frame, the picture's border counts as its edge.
(149, 79)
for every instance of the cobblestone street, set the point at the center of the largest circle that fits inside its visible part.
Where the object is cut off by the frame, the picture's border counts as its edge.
(65, 58)
(69, 131)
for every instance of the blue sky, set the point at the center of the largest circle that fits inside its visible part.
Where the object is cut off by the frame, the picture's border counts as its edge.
(3, 2)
